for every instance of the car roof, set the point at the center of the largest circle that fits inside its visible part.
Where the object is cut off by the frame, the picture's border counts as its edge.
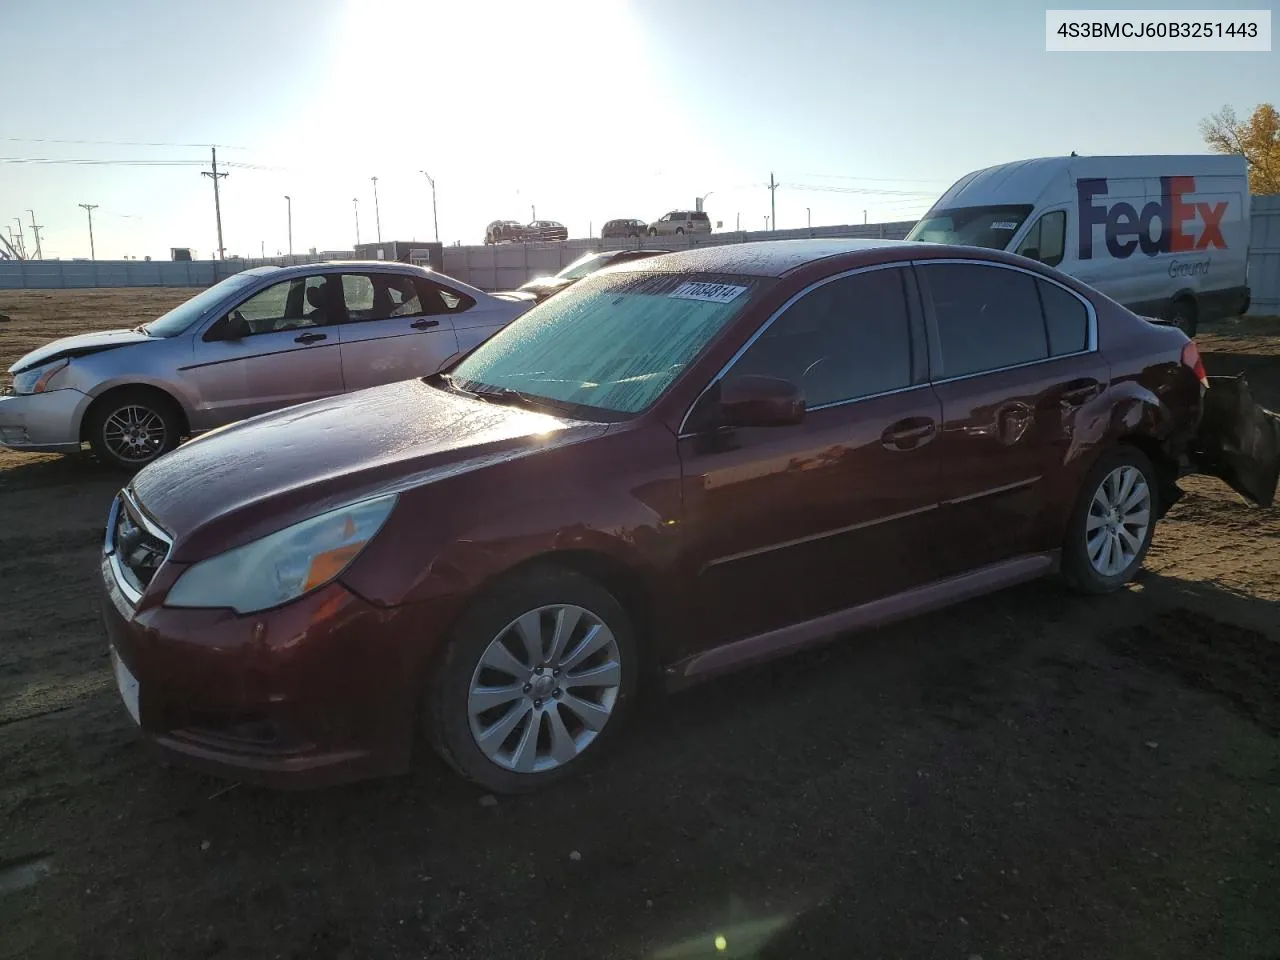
(764, 258)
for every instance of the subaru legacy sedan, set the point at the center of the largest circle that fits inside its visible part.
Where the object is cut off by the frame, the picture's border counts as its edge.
(259, 340)
(683, 464)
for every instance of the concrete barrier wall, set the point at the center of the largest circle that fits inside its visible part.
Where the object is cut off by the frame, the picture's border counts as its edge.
(506, 266)
(71, 274)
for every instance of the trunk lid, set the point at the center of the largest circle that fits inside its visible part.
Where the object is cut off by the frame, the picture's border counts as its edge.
(1238, 441)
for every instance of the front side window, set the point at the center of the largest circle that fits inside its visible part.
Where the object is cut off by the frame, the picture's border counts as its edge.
(288, 305)
(992, 227)
(847, 339)
(610, 343)
(181, 317)
(987, 317)
(1046, 239)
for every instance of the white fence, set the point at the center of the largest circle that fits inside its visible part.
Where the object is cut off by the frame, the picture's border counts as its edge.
(1264, 257)
(505, 266)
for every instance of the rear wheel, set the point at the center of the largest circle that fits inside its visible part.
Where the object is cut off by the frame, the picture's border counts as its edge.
(653, 232)
(1112, 524)
(130, 428)
(680, 230)
(1184, 315)
(535, 681)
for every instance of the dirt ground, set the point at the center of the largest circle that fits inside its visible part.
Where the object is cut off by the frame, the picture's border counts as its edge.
(1032, 774)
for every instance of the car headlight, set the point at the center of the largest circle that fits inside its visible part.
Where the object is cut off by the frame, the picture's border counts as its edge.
(37, 379)
(284, 565)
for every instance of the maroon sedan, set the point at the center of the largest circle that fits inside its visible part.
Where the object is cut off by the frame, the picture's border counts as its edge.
(682, 465)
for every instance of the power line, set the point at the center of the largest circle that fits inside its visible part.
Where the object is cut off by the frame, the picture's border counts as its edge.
(840, 176)
(116, 143)
(867, 191)
(85, 161)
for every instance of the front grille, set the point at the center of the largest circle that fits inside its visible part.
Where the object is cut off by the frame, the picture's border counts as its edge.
(138, 550)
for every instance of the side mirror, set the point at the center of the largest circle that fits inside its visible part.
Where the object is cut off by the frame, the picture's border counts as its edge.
(756, 401)
(237, 327)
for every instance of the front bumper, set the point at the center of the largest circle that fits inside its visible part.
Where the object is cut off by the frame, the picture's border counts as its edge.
(43, 422)
(319, 691)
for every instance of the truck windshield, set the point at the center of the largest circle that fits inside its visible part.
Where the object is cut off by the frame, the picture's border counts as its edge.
(991, 227)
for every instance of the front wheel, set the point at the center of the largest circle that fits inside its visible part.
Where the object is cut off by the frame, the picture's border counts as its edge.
(130, 428)
(1184, 315)
(535, 681)
(1112, 524)
(653, 232)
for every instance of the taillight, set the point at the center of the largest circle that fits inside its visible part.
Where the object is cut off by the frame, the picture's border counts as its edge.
(1191, 358)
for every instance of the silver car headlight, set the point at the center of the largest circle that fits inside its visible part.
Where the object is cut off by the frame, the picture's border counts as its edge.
(38, 379)
(284, 565)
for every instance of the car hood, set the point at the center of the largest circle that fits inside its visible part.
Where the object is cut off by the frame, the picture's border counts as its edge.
(240, 482)
(79, 346)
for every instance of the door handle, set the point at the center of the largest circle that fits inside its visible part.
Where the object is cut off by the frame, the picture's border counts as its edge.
(311, 337)
(1081, 391)
(424, 324)
(908, 434)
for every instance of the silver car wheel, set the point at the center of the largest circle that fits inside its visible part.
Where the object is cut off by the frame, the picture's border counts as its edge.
(544, 688)
(134, 434)
(1119, 520)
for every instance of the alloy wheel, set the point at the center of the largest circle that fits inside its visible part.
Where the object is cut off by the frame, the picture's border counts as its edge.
(1119, 520)
(134, 434)
(544, 688)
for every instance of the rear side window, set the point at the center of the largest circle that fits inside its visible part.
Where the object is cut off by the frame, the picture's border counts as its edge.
(700, 216)
(987, 317)
(849, 338)
(1065, 319)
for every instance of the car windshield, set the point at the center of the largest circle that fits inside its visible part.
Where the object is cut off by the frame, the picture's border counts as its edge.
(991, 227)
(612, 343)
(184, 314)
(584, 265)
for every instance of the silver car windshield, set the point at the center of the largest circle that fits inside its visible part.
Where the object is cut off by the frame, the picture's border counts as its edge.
(613, 342)
(184, 314)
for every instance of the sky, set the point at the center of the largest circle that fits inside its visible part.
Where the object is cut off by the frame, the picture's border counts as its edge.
(578, 110)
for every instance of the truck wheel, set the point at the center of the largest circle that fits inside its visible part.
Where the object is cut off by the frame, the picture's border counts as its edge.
(1184, 315)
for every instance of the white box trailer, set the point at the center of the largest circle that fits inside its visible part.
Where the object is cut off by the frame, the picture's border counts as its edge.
(1167, 236)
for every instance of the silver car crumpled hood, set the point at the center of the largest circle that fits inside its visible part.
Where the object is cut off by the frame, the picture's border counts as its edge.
(79, 346)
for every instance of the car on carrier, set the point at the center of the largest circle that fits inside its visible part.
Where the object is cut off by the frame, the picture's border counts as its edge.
(681, 465)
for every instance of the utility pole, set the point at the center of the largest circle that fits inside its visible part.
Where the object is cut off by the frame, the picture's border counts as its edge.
(89, 208)
(435, 222)
(737, 223)
(22, 241)
(377, 216)
(289, 201)
(355, 204)
(217, 203)
(864, 218)
(262, 249)
(808, 218)
(533, 210)
(773, 202)
(766, 222)
(35, 229)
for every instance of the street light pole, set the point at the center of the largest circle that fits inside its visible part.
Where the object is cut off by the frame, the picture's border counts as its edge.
(702, 199)
(289, 201)
(808, 217)
(435, 221)
(377, 216)
(89, 208)
(355, 204)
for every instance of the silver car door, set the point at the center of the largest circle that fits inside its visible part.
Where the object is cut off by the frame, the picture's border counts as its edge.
(273, 350)
(396, 327)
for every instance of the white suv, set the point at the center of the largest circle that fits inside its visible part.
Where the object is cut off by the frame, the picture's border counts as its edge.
(681, 222)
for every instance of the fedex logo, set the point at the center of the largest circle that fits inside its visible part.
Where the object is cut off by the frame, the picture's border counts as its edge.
(1127, 229)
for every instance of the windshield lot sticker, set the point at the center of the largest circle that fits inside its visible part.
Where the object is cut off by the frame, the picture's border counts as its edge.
(1004, 225)
(712, 292)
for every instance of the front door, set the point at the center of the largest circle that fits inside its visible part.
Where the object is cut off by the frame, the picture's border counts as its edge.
(788, 523)
(1014, 363)
(275, 349)
(396, 328)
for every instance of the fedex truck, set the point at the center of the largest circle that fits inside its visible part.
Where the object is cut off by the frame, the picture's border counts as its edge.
(1166, 236)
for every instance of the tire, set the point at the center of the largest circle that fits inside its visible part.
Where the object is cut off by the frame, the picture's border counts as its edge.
(111, 417)
(456, 731)
(653, 232)
(1085, 559)
(1184, 314)
(680, 231)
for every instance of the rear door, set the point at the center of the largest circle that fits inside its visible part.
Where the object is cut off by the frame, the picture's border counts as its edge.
(785, 524)
(396, 327)
(1015, 364)
(289, 353)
